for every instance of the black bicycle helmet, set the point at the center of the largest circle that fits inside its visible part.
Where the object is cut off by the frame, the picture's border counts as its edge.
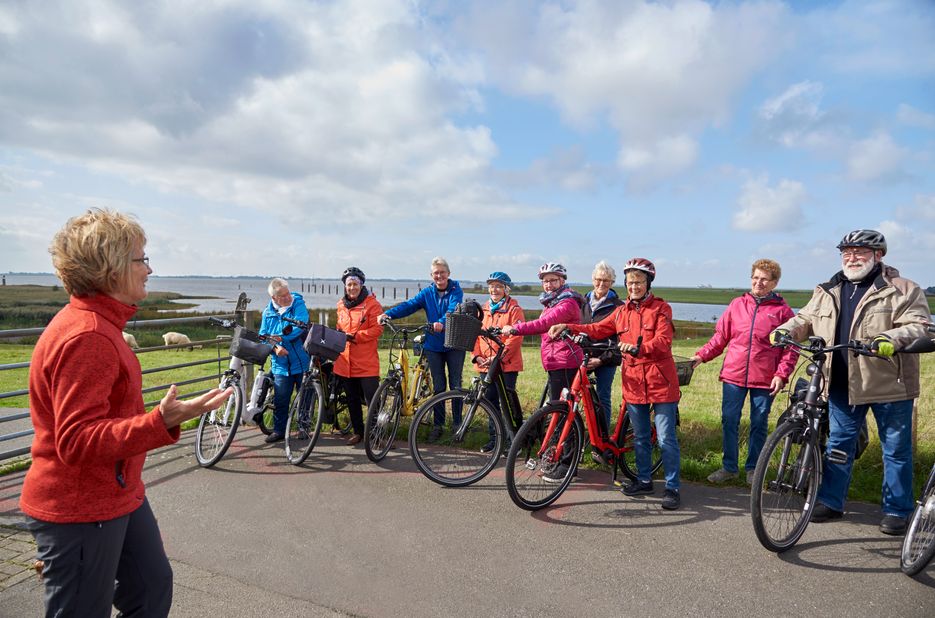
(472, 308)
(870, 239)
(353, 271)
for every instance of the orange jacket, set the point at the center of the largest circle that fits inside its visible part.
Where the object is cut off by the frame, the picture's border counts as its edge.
(359, 359)
(512, 359)
(651, 376)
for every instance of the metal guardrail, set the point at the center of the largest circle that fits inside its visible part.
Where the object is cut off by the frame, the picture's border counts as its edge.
(131, 325)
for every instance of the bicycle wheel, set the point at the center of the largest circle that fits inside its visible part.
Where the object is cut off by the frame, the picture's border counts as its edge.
(535, 477)
(919, 542)
(784, 486)
(217, 428)
(444, 456)
(264, 419)
(342, 414)
(304, 424)
(382, 420)
(628, 455)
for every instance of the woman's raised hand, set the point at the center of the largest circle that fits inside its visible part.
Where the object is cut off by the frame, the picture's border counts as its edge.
(175, 411)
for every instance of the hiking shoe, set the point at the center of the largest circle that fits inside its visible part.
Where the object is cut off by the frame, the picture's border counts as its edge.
(823, 513)
(274, 437)
(557, 475)
(721, 476)
(488, 447)
(893, 525)
(435, 434)
(671, 499)
(638, 488)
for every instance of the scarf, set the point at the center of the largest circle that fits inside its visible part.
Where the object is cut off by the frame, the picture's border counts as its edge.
(495, 306)
(350, 304)
(550, 299)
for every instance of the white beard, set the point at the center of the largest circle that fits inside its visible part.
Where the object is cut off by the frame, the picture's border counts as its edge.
(858, 273)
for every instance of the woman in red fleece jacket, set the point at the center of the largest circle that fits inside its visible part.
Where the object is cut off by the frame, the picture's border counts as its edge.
(83, 495)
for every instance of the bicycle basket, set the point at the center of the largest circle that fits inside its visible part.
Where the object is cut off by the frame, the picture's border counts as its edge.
(249, 351)
(325, 342)
(461, 331)
(684, 369)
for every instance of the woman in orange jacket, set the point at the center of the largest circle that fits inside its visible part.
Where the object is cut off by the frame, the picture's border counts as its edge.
(359, 363)
(499, 311)
(649, 378)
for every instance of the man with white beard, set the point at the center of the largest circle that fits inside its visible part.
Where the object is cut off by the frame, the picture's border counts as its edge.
(867, 301)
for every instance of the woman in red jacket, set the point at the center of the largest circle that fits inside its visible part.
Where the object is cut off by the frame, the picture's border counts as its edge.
(83, 495)
(644, 326)
(359, 363)
(751, 365)
(501, 310)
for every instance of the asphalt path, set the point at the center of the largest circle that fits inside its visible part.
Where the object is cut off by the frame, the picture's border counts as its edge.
(340, 536)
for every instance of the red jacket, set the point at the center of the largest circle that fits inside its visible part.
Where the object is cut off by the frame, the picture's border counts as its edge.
(360, 358)
(744, 330)
(86, 404)
(509, 313)
(651, 376)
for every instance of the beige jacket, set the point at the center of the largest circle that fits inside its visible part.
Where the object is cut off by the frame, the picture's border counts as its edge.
(894, 307)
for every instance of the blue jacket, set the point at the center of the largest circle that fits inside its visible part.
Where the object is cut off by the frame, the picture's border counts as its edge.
(436, 307)
(272, 324)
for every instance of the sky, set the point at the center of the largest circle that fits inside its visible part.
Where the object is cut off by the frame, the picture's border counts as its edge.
(294, 137)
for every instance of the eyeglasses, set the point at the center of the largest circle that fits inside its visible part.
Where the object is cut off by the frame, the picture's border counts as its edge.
(142, 260)
(856, 252)
(607, 281)
(551, 280)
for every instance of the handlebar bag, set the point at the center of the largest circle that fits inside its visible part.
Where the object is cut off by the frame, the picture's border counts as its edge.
(250, 351)
(325, 342)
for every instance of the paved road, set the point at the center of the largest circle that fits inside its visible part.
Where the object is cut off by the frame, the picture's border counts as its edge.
(343, 537)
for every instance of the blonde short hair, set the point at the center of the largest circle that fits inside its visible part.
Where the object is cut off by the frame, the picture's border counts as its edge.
(93, 252)
(440, 261)
(770, 267)
(276, 284)
(604, 268)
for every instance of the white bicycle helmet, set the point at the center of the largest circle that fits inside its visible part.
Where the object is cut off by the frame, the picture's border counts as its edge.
(870, 239)
(554, 268)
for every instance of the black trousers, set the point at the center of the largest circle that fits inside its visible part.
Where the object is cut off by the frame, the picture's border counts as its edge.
(359, 393)
(559, 379)
(82, 562)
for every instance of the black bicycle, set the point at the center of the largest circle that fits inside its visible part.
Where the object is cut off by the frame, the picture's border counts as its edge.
(789, 470)
(456, 458)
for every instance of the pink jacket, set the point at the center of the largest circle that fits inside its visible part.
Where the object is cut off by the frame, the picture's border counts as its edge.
(558, 354)
(744, 329)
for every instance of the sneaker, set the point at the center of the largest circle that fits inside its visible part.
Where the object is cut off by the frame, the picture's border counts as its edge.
(274, 437)
(721, 476)
(638, 488)
(893, 525)
(557, 475)
(488, 447)
(435, 434)
(748, 477)
(671, 500)
(355, 439)
(599, 459)
(823, 513)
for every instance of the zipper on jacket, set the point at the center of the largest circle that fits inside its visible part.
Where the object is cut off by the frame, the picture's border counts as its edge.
(746, 368)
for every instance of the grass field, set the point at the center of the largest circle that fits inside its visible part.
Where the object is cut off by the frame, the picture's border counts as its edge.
(700, 431)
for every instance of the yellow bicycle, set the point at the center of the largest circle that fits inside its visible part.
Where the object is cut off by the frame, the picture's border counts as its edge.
(404, 388)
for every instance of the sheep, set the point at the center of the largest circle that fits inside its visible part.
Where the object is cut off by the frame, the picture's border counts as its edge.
(131, 341)
(173, 338)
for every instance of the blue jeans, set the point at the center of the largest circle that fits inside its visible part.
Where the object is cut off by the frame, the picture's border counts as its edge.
(605, 384)
(666, 416)
(454, 361)
(894, 424)
(285, 385)
(732, 397)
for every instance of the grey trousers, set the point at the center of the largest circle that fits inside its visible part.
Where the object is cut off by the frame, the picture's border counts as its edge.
(92, 567)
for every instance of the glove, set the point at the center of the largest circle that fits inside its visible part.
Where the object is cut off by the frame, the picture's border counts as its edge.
(883, 346)
(776, 335)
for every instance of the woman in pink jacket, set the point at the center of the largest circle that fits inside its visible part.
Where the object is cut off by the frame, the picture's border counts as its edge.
(751, 365)
(560, 358)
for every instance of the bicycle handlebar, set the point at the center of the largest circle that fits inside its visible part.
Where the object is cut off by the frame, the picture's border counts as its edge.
(598, 346)
(817, 345)
(388, 322)
(228, 324)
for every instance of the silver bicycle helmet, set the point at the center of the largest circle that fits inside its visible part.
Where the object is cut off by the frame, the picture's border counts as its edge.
(870, 239)
(552, 267)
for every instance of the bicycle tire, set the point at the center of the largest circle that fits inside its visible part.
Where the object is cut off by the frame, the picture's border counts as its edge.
(304, 424)
(264, 419)
(919, 542)
(781, 512)
(527, 469)
(217, 428)
(340, 410)
(449, 462)
(627, 457)
(383, 420)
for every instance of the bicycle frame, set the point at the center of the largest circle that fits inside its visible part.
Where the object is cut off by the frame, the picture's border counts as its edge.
(410, 378)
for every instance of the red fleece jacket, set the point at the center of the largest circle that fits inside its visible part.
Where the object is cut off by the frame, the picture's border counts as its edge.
(86, 404)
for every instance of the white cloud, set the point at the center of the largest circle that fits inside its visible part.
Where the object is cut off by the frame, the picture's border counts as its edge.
(769, 209)
(876, 159)
(795, 118)
(912, 117)
(651, 163)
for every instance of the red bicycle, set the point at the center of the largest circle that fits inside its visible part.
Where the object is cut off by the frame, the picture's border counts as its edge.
(546, 450)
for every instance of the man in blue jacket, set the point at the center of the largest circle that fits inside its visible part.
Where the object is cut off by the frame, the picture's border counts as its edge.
(290, 360)
(437, 300)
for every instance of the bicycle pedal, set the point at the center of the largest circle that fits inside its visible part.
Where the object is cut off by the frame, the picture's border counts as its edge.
(837, 456)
